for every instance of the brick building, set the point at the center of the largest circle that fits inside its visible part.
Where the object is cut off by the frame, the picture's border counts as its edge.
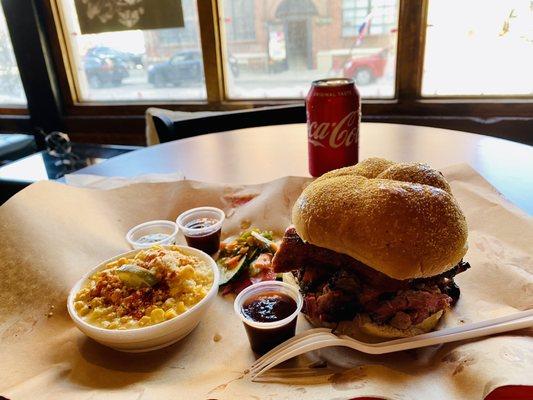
(269, 35)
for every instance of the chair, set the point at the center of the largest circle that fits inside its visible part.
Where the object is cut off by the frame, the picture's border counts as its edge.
(168, 130)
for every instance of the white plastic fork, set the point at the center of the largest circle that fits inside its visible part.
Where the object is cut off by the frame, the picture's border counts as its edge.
(319, 338)
(295, 340)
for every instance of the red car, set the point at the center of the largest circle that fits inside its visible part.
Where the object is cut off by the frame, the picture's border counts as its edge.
(365, 70)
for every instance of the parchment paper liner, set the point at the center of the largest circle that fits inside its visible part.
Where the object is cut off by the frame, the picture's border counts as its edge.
(52, 233)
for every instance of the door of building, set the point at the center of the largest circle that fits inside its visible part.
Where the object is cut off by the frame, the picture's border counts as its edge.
(297, 44)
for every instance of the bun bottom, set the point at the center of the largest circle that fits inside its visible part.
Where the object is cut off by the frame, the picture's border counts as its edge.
(363, 324)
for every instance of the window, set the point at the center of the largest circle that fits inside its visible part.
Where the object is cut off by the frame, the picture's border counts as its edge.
(11, 91)
(297, 42)
(240, 20)
(469, 55)
(184, 36)
(381, 15)
(135, 65)
(440, 63)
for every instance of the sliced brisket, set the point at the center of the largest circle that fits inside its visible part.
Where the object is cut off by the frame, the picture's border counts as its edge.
(336, 287)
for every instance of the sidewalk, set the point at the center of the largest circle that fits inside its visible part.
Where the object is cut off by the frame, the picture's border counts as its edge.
(289, 77)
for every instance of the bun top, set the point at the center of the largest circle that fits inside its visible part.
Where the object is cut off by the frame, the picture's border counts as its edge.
(400, 219)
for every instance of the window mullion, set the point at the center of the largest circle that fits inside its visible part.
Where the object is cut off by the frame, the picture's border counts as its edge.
(411, 42)
(38, 76)
(211, 49)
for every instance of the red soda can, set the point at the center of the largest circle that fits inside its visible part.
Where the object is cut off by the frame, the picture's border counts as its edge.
(333, 108)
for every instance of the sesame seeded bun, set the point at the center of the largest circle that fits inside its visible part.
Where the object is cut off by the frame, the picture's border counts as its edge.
(369, 168)
(416, 173)
(400, 219)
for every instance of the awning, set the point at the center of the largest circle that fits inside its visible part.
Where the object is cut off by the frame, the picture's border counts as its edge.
(296, 9)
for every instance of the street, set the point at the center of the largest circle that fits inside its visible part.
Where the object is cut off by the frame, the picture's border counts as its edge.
(289, 84)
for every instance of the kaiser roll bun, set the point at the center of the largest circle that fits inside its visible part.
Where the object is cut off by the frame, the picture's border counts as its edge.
(400, 219)
(363, 323)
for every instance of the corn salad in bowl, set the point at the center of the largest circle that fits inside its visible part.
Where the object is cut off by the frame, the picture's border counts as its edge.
(144, 291)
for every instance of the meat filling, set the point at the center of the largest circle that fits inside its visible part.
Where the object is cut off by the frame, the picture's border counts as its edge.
(337, 287)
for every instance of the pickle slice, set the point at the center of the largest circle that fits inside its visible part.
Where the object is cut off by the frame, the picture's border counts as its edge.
(267, 243)
(228, 274)
(135, 276)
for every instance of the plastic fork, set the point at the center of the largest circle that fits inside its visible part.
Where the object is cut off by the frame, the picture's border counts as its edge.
(319, 338)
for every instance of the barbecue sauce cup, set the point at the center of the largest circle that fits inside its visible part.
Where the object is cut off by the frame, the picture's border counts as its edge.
(202, 227)
(269, 311)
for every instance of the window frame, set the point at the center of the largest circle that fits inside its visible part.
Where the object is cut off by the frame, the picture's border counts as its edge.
(13, 114)
(124, 122)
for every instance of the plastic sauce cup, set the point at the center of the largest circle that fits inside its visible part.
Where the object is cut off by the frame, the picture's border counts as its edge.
(264, 336)
(201, 227)
(151, 233)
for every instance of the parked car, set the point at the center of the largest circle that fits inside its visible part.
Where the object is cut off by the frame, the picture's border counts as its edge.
(365, 70)
(184, 66)
(130, 60)
(101, 72)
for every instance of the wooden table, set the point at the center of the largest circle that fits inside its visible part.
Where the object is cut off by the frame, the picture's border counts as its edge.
(258, 155)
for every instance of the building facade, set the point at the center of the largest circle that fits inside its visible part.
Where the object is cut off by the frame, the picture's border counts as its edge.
(274, 35)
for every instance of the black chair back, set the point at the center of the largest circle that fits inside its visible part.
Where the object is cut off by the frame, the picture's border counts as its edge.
(168, 130)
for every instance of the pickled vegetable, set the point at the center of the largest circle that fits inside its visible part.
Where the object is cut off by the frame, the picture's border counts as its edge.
(245, 257)
(267, 243)
(227, 274)
(134, 276)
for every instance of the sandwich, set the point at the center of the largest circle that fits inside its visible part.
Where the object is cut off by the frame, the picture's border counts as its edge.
(375, 248)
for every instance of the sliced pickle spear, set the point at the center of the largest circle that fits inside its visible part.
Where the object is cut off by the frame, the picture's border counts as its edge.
(268, 244)
(228, 274)
(135, 276)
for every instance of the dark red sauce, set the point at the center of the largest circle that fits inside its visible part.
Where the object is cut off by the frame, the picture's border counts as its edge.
(208, 242)
(269, 307)
(201, 223)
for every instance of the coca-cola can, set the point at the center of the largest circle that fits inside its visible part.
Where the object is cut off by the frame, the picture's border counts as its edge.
(333, 108)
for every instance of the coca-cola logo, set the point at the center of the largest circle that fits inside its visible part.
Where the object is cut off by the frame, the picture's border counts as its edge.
(343, 133)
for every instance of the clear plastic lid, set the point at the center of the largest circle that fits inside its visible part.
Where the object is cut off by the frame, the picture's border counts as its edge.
(268, 287)
(160, 232)
(199, 213)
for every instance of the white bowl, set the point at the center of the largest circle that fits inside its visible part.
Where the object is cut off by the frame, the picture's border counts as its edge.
(150, 337)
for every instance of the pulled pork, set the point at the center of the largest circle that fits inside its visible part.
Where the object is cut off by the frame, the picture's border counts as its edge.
(337, 287)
